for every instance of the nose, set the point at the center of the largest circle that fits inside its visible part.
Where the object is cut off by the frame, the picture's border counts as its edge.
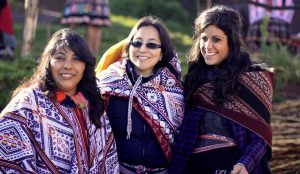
(208, 44)
(143, 48)
(68, 64)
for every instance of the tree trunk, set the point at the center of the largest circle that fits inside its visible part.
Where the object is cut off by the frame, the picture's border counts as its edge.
(31, 16)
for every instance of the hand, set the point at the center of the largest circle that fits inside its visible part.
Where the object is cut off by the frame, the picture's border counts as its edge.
(239, 168)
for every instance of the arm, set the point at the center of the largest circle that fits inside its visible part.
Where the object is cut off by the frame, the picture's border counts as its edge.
(253, 151)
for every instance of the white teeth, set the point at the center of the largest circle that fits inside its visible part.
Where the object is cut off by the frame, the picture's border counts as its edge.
(67, 75)
(141, 57)
(210, 54)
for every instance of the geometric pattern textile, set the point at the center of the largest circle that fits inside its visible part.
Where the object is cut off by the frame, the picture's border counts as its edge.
(160, 101)
(250, 108)
(38, 135)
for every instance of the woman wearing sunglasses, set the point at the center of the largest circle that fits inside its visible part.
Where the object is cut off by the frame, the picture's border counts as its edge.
(145, 98)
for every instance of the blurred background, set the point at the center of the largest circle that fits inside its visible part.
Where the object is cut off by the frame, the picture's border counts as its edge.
(34, 21)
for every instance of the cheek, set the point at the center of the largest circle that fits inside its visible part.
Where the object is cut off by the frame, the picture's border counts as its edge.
(201, 46)
(225, 52)
(52, 69)
(82, 69)
(131, 52)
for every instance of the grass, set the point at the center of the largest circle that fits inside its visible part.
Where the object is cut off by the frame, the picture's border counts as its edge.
(13, 73)
(121, 27)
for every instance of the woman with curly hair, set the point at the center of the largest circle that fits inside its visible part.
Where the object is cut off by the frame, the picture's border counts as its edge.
(226, 127)
(54, 122)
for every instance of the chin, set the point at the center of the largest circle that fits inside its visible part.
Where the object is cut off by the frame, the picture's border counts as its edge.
(210, 63)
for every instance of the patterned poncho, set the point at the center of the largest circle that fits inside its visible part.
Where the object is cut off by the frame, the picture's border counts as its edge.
(160, 101)
(38, 135)
(250, 108)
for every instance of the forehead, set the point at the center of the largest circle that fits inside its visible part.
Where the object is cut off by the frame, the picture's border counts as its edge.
(62, 49)
(147, 33)
(213, 30)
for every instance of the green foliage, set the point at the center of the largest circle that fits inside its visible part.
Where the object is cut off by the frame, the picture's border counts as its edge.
(278, 56)
(168, 11)
(11, 75)
(264, 28)
(286, 66)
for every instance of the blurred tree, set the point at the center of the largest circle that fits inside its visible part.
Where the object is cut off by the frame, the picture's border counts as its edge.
(31, 16)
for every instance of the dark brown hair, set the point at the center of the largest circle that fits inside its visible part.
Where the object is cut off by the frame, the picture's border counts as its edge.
(42, 76)
(229, 21)
(168, 50)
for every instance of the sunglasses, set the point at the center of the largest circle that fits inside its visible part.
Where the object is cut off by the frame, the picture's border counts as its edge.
(138, 44)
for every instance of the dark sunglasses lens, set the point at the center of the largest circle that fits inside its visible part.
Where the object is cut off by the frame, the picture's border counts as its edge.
(136, 44)
(152, 45)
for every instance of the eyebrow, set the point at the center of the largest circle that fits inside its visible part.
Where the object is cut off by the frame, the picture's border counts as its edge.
(151, 39)
(60, 53)
(218, 36)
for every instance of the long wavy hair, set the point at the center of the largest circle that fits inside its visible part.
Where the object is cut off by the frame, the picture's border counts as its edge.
(229, 21)
(42, 76)
(168, 50)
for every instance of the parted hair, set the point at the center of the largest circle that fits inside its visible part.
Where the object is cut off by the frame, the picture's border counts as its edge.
(168, 50)
(42, 76)
(229, 21)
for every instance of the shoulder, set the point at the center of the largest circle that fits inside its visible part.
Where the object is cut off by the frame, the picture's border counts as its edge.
(259, 75)
(174, 67)
(116, 69)
(262, 68)
(25, 99)
(256, 67)
(114, 75)
(253, 67)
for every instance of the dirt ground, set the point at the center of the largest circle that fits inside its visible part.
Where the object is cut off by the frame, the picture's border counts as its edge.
(285, 124)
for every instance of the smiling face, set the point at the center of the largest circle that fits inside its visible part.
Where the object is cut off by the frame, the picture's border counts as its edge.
(144, 58)
(67, 70)
(213, 45)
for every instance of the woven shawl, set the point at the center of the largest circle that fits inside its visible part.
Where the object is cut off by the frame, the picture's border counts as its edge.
(39, 135)
(160, 101)
(251, 107)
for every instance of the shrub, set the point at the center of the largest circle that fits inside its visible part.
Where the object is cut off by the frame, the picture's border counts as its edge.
(287, 73)
(286, 67)
(11, 75)
(170, 10)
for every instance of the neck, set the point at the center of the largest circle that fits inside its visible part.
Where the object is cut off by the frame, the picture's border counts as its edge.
(143, 74)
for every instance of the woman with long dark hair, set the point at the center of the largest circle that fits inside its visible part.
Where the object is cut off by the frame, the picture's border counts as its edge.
(54, 122)
(145, 98)
(226, 127)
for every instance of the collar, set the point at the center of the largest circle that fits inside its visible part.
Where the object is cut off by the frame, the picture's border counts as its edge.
(70, 101)
(134, 74)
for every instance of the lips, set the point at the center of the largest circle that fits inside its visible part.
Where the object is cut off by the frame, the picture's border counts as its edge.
(210, 53)
(142, 57)
(66, 75)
